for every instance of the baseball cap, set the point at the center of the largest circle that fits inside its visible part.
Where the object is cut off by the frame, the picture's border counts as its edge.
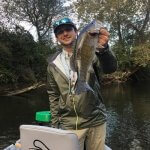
(63, 21)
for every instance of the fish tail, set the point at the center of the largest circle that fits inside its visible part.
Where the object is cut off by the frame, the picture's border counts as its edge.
(81, 87)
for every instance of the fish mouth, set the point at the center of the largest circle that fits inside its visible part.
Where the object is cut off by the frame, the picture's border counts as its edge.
(94, 32)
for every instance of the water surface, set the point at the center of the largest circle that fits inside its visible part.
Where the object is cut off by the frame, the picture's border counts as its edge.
(128, 108)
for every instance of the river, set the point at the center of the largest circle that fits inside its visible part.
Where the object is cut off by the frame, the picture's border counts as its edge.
(128, 109)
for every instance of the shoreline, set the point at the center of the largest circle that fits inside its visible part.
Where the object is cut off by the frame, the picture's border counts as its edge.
(107, 79)
(7, 91)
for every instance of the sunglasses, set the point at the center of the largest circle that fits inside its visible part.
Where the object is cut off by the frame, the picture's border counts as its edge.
(61, 30)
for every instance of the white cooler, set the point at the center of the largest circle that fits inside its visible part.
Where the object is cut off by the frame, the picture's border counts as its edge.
(46, 138)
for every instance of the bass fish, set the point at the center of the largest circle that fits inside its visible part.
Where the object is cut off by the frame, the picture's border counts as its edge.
(84, 53)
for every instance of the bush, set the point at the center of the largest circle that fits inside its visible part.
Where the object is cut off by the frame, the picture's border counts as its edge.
(22, 59)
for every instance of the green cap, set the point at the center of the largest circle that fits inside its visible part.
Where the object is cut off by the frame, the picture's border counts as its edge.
(43, 116)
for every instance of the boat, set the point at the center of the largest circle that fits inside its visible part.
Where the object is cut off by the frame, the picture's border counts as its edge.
(42, 137)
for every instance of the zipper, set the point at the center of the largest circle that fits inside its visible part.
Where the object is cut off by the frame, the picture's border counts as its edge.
(71, 92)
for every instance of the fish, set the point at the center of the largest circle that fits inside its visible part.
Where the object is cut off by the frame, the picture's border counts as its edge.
(84, 53)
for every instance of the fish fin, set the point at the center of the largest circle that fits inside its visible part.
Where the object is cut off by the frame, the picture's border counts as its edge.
(81, 87)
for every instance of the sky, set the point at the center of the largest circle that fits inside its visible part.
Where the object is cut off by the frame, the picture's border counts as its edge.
(29, 27)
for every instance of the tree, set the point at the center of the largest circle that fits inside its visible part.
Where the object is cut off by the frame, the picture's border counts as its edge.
(40, 13)
(22, 59)
(128, 22)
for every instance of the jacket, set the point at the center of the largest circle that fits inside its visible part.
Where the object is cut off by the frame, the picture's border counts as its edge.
(79, 111)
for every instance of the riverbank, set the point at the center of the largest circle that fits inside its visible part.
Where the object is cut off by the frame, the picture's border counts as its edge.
(10, 90)
(118, 77)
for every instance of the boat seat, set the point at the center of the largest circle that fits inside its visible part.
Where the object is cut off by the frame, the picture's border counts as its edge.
(47, 138)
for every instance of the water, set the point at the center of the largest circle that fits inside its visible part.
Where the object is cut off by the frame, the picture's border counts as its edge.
(128, 116)
(128, 108)
(17, 110)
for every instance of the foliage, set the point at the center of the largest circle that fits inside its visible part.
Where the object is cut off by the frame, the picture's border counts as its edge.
(22, 59)
(123, 57)
(40, 13)
(128, 22)
(141, 55)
